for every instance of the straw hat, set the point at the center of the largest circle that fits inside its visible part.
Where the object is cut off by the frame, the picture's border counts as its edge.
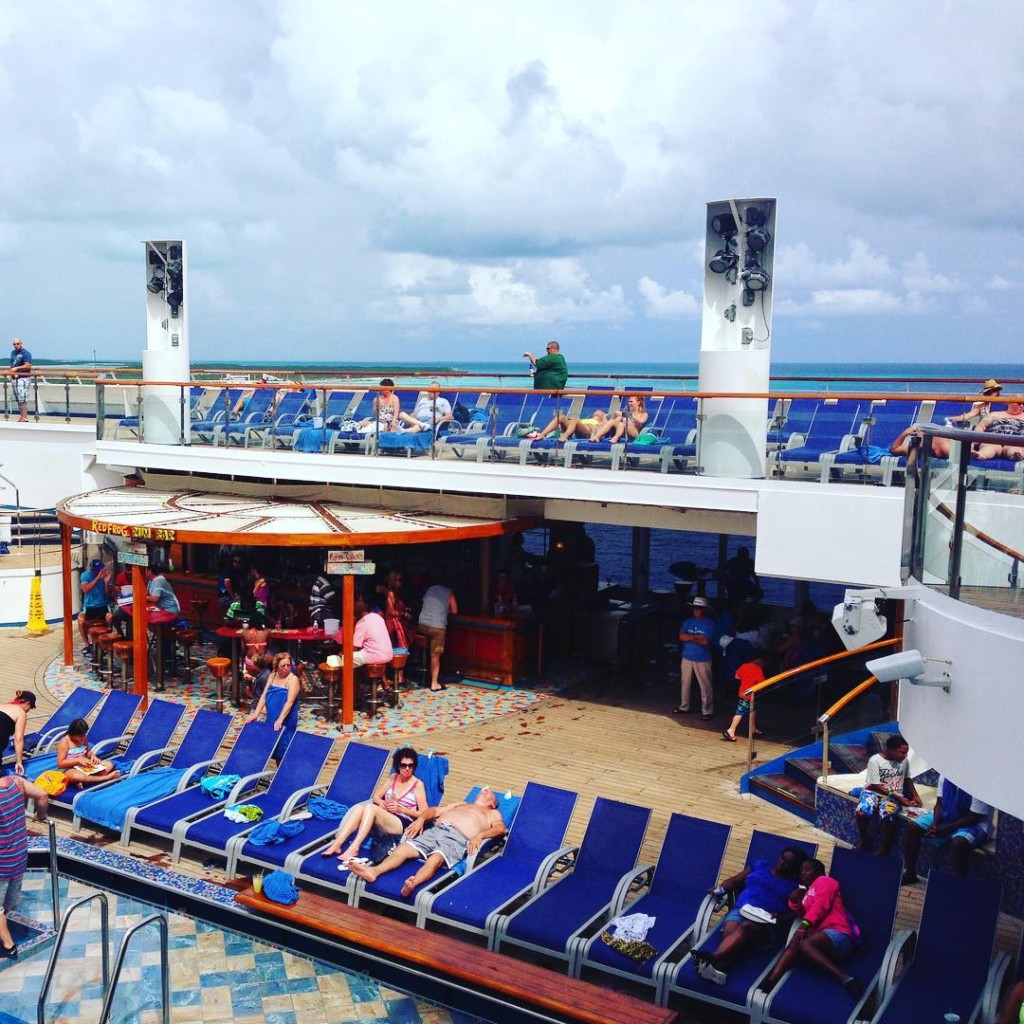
(701, 602)
(991, 385)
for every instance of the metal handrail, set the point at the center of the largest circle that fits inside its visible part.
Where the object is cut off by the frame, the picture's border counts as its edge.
(165, 970)
(51, 967)
(54, 876)
(782, 677)
(826, 718)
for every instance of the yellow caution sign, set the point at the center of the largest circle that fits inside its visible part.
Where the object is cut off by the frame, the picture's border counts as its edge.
(36, 612)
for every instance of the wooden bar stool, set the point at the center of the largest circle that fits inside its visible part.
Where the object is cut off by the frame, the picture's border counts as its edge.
(106, 642)
(187, 637)
(375, 679)
(331, 675)
(398, 662)
(96, 657)
(123, 652)
(220, 668)
(420, 655)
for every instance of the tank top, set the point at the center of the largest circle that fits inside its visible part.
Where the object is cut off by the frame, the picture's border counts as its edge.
(435, 607)
(407, 800)
(7, 726)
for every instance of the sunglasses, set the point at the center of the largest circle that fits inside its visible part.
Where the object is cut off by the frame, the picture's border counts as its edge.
(407, 764)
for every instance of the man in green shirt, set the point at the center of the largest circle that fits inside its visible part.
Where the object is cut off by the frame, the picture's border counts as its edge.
(550, 371)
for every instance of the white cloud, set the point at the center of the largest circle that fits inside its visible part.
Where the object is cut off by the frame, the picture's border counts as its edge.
(919, 277)
(661, 303)
(855, 300)
(798, 265)
(1000, 284)
(426, 289)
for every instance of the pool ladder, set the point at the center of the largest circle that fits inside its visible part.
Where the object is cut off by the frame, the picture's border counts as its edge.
(109, 980)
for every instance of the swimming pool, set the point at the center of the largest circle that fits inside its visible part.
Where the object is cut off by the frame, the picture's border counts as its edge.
(217, 974)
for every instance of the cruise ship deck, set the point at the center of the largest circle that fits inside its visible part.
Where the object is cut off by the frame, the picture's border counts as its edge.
(585, 738)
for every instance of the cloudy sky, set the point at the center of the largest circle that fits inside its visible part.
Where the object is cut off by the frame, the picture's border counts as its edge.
(453, 181)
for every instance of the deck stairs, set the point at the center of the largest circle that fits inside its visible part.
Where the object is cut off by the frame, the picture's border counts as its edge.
(790, 781)
(34, 527)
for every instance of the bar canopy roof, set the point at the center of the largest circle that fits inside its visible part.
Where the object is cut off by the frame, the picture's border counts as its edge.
(211, 517)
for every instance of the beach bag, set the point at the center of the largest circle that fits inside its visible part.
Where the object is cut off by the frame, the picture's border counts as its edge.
(53, 782)
(218, 787)
(645, 437)
(460, 413)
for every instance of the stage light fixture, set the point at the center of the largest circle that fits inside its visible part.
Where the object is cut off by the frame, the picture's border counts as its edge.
(723, 260)
(723, 224)
(755, 217)
(756, 279)
(156, 282)
(758, 239)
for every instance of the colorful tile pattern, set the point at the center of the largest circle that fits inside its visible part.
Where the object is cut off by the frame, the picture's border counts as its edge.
(462, 704)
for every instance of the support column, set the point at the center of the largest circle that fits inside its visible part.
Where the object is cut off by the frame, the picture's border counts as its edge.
(348, 625)
(65, 565)
(140, 633)
(735, 343)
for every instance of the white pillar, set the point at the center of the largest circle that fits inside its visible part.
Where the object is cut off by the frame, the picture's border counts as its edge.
(166, 357)
(735, 342)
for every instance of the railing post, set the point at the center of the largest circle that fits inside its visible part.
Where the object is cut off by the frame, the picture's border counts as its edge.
(824, 748)
(165, 969)
(54, 878)
(957, 541)
(181, 417)
(751, 726)
(101, 410)
(67, 400)
(35, 395)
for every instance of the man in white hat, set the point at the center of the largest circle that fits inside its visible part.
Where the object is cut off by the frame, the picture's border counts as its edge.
(695, 638)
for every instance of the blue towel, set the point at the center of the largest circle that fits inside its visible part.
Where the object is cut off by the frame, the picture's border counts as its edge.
(431, 772)
(123, 764)
(218, 787)
(279, 887)
(109, 806)
(40, 764)
(327, 810)
(310, 440)
(272, 832)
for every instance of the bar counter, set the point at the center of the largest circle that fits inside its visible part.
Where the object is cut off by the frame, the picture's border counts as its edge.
(494, 650)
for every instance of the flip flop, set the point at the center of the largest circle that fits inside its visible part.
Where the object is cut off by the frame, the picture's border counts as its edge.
(726, 735)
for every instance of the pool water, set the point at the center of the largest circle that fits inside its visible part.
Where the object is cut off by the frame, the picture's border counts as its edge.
(216, 974)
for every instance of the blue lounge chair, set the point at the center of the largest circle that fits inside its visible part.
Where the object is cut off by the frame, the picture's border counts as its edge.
(307, 862)
(415, 442)
(292, 408)
(131, 423)
(354, 441)
(354, 780)
(688, 866)
(106, 732)
(147, 781)
(300, 768)
(603, 871)
(473, 901)
(217, 414)
(258, 411)
(587, 452)
(507, 415)
(153, 733)
(248, 759)
(833, 429)
(950, 969)
(388, 888)
(743, 976)
(313, 431)
(78, 704)
(871, 890)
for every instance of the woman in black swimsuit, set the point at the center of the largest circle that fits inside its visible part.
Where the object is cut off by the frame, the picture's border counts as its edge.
(13, 716)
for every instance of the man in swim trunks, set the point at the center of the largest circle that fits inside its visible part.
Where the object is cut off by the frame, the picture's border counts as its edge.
(459, 830)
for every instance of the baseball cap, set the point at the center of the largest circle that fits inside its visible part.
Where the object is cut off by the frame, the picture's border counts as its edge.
(701, 602)
(991, 385)
(96, 564)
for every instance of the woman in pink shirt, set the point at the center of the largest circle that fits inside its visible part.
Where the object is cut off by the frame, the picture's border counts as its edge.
(827, 934)
(370, 636)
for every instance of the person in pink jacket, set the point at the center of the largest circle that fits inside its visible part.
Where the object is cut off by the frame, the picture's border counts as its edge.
(827, 934)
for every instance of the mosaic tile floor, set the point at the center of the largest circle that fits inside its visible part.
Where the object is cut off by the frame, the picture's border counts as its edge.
(420, 710)
(216, 975)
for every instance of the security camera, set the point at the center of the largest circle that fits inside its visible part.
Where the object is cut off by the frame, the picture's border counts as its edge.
(909, 665)
(905, 665)
(857, 621)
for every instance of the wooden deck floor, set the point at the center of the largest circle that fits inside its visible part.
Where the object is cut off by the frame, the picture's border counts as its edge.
(613, 739)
